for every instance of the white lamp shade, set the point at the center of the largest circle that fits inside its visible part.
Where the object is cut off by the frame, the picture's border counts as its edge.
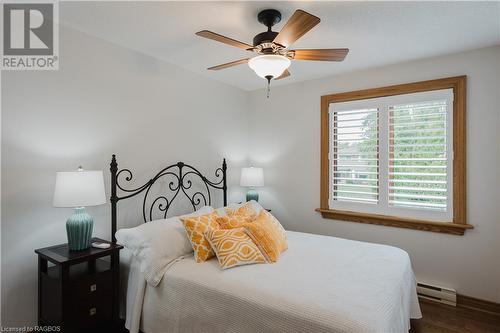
(270, 64)
(79, 189)
(252, 177)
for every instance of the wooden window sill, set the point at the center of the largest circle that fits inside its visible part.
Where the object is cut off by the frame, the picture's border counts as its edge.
(392, 221)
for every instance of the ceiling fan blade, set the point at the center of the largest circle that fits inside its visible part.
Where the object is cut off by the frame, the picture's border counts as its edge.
(300, 23)
(285, 74)
(229, 64)
(320, 54)
(223, 39)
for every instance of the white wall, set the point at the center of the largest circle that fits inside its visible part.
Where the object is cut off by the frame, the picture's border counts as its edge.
(285, 140)
(104, 99)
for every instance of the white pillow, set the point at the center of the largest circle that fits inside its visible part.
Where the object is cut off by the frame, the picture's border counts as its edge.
(256, 206)
(157, 244)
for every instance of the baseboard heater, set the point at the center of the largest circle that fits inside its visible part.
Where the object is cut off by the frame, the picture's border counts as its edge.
(437, 294)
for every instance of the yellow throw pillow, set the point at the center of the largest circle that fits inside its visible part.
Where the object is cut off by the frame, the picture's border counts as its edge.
(267, 236)
(233, 248)
(245, 210)
(233, 221)
(280, 229)
(196, 226)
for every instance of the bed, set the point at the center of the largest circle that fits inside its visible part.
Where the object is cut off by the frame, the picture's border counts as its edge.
(321, 284)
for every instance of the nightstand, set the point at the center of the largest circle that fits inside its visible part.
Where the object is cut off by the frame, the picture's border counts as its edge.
(268, 209)
(78, 290)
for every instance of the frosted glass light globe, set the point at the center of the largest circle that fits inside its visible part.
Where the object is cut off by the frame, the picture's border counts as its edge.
(269, 65)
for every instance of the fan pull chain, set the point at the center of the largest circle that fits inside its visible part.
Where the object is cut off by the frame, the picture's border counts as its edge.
(268, 77)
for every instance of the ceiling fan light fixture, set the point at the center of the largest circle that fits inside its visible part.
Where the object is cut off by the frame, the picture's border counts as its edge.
(269, 65)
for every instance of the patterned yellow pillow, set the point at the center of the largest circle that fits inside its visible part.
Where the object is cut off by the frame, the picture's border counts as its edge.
(279, 227)
(267, 236)
(233, 221)
(245, 210)
(233, 247)
(196, 226)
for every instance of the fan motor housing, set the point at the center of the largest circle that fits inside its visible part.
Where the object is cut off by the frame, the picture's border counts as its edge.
(264, 37)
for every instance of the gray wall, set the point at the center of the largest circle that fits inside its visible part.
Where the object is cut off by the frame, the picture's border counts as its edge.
(285, 133)
(104, 99)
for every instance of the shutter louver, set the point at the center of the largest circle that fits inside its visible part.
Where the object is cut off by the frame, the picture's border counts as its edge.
(418, 155)
(355, 154)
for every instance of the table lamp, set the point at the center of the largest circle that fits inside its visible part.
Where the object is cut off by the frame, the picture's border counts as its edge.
(252, 177)
(79, 189)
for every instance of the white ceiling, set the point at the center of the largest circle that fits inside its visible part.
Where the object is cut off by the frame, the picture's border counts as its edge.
(377, 33)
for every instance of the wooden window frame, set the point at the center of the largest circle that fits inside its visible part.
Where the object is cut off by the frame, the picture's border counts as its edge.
(459, 224)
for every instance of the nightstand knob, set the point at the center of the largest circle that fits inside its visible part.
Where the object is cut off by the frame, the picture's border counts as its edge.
(92, 311)
(93, 287)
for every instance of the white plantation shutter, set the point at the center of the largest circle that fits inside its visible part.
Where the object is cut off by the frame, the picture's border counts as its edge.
(393, 155)
(355, 155)
(418, 155)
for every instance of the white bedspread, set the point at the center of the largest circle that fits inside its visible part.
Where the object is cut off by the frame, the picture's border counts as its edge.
(321, 284)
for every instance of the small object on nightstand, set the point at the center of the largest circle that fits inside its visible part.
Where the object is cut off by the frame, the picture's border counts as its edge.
(101, 245)
(252, 177)
(79, 189)
(79, 290)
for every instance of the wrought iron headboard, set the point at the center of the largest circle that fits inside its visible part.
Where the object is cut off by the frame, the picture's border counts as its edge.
(179, 184)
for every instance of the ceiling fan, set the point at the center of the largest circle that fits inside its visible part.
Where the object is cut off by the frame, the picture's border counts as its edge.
(272, 47)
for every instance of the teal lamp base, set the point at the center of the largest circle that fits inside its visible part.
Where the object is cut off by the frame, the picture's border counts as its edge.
(252, 195)
(79, 230)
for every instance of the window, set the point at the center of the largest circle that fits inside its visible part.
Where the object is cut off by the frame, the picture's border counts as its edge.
(396, 156)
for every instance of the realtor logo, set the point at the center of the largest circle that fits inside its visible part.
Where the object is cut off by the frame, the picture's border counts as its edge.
(30, 36)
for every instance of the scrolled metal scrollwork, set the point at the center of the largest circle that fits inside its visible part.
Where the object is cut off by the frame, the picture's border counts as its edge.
(181, 179)
(128, 178)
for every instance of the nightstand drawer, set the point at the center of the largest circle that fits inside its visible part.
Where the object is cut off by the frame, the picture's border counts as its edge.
(88, 314)
(92, 287)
